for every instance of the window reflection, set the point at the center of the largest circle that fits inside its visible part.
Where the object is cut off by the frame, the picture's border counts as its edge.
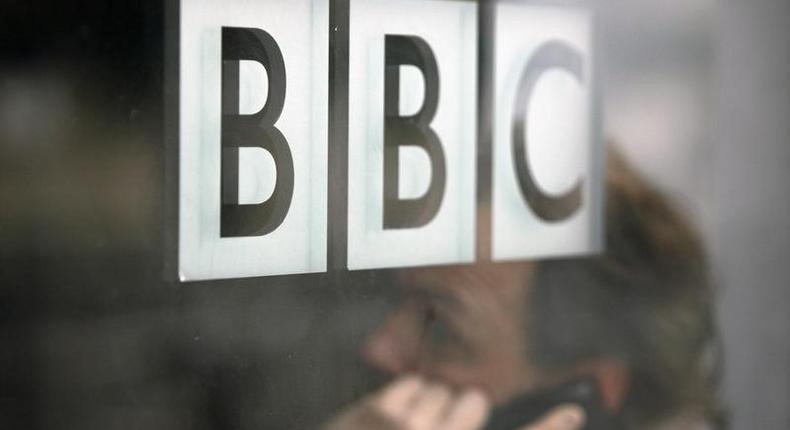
(637, 322)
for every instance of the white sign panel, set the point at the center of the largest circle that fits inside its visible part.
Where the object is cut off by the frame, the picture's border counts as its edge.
(252, 138)
(412, 132)
(254, 108)
(547, 179)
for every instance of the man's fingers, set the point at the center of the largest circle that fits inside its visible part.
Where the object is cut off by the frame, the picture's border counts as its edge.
(429, 408)
(468, 412)
(415, 404)
(397, 398)
(567, 417)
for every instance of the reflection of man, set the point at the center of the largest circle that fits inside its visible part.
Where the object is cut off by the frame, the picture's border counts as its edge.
(638, 321)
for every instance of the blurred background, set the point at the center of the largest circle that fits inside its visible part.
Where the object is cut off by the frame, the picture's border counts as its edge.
(697, 95)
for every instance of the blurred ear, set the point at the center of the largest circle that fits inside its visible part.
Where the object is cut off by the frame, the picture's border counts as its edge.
(613, 378)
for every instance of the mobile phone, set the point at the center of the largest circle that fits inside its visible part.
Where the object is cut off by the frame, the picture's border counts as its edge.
(529, 407)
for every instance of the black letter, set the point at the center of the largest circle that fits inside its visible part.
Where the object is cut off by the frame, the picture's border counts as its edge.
(410, 130)
(255, 130)
(549, 56)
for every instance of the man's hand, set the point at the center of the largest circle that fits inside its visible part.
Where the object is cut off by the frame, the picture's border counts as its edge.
(411, 403)
(566, 417)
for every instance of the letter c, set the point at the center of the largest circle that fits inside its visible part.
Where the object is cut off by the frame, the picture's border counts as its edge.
(550, 55)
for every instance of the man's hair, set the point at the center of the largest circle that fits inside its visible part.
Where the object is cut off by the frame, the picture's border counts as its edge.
(647, 301)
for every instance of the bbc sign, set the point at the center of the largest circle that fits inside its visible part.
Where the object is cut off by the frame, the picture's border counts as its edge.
(269, 92)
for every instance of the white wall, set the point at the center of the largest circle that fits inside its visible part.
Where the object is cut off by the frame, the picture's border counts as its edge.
(751, 213)
(698, 97)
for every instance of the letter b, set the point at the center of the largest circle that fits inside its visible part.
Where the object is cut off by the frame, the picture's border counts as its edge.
(255, 130)
(410, 130)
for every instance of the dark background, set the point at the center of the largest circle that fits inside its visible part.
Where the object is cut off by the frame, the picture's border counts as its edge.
(91, 334)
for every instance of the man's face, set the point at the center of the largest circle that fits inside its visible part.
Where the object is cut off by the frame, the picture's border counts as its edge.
(464, 326)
